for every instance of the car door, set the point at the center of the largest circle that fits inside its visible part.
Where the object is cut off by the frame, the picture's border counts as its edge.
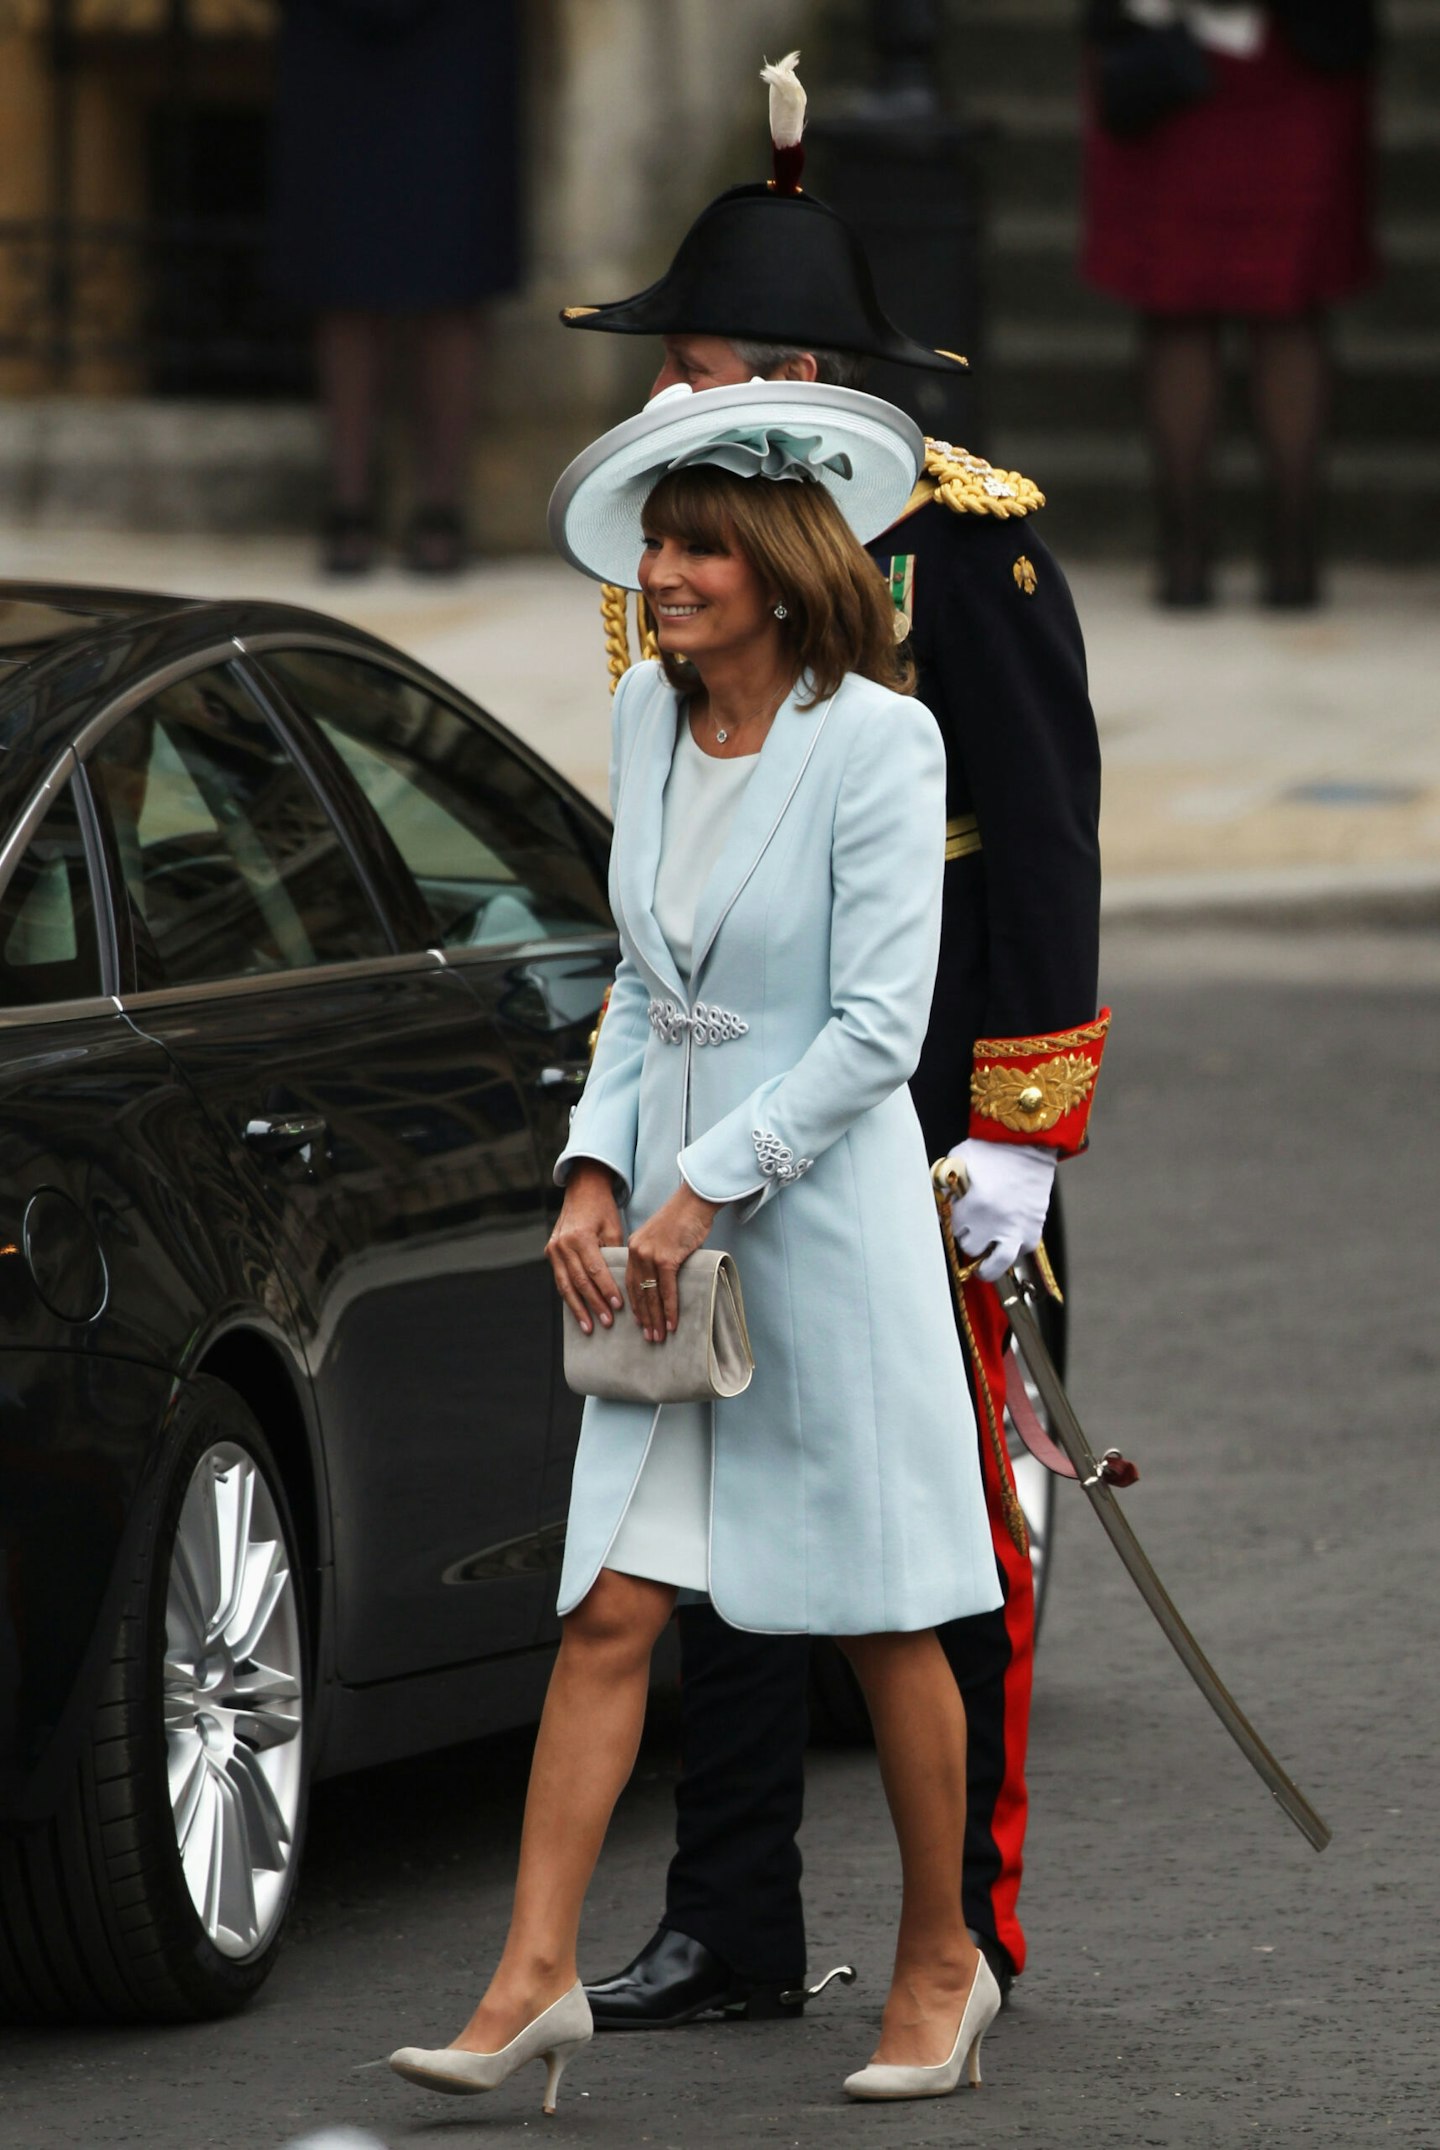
(371, 1114)
(510, 867)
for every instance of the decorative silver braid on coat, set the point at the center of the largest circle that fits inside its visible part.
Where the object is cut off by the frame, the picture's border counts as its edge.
(776, 1158)
(668, 1022)
(716, 1026)
(708, 1026)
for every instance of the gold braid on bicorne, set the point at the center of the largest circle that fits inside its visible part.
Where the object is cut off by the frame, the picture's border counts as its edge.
(617, 633)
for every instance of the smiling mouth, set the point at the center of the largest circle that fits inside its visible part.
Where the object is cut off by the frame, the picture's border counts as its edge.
(677, 612)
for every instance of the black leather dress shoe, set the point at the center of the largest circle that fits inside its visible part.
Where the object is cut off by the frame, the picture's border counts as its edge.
(998, 1959)
(673, 1980)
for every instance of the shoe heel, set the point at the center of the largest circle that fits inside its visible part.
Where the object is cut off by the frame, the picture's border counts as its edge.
(974, 2063)
(556, 2061)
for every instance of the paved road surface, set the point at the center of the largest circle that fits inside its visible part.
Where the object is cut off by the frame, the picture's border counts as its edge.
(1256, 1322)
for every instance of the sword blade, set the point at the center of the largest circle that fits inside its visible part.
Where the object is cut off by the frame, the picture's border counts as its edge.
(1066, 1427)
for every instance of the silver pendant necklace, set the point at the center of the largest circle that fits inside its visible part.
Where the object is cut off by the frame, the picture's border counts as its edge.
(721, 734)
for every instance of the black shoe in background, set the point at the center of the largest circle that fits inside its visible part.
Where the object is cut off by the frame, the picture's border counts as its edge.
(347, 541)
(998, 1959)
(435, 542)
(673, 1980)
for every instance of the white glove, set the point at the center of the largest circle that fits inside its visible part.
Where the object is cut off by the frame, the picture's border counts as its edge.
(1004, 1209)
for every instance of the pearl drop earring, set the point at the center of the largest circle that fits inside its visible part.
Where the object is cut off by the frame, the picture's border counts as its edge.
(782, 612)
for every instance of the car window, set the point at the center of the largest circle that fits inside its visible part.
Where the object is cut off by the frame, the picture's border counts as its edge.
(490, 843)
(49, 945)
(232, 864)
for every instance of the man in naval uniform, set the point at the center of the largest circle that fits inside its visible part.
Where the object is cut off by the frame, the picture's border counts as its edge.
(769, 281)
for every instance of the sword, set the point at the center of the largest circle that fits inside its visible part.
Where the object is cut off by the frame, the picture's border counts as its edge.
(1097, 1476)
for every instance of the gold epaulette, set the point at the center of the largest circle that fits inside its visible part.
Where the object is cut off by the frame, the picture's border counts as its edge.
(968, 485)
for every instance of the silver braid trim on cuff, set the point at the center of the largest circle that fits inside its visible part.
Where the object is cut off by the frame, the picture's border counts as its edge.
(776, 1159)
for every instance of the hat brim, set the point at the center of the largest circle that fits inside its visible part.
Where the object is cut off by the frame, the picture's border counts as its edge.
(595, 509)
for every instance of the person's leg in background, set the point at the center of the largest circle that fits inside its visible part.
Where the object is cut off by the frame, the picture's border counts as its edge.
(1291, 395)
(1180, 383)
(351, 349)
(445, 360)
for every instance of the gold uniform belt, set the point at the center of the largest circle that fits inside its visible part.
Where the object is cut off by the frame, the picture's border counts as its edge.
(962, 836)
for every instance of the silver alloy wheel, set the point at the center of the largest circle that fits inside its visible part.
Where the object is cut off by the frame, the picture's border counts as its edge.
(234, 1701)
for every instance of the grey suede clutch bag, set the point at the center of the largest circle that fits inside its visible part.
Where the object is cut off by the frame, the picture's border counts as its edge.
(709, 1354)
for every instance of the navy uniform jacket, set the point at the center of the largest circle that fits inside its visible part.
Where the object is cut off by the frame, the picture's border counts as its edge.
(1002, 665)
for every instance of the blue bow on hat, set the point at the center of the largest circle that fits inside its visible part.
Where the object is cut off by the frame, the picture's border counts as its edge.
(767, 452)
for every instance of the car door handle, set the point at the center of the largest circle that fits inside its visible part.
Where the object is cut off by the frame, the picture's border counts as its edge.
(281, 1138)
(570, 1076)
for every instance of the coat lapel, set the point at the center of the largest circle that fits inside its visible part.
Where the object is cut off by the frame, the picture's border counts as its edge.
(782, 762)
(639, 811)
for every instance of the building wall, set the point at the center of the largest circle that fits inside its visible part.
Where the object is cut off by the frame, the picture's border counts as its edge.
(638, 111)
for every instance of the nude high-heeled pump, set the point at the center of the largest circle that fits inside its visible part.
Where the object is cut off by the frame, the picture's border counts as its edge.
(882, 2079)
(555, 2036)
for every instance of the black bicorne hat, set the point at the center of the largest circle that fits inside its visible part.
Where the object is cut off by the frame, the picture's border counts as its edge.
(761, 266)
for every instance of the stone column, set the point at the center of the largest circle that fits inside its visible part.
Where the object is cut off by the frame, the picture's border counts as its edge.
(640, 111)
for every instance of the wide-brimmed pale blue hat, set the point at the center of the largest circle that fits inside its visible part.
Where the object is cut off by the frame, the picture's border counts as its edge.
(864, 452)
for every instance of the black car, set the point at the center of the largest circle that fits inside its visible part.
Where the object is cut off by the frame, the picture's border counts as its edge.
(300, 958)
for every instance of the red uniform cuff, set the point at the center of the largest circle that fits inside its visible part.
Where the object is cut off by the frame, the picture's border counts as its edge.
(1037, 1090)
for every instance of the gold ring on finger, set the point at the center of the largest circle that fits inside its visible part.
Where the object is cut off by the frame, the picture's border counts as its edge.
(649, 1284)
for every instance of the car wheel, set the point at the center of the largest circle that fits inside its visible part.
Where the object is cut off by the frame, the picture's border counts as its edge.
(159, 1891)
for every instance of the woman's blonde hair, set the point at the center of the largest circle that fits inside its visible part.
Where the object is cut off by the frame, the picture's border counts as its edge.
(839, 616)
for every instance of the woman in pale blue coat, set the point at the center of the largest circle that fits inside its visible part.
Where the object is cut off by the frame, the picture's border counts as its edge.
(776, 873)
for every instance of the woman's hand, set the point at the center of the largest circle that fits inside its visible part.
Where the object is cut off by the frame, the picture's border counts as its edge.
(657, 1251)
(588, 1221)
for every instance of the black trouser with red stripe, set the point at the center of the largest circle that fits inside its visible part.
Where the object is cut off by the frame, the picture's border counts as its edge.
(734, 1883)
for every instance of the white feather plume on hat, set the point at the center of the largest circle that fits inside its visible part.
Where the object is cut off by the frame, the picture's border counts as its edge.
(787, 101)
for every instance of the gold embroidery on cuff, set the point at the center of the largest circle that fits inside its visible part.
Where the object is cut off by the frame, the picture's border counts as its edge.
(1030, 1100)
(1054, 1041)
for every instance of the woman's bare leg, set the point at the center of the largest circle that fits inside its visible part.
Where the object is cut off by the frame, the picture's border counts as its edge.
(919, 1722)
(584, 1753)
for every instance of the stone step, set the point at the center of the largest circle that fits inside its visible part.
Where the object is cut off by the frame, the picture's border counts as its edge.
(1385, 386)
(1384, 502)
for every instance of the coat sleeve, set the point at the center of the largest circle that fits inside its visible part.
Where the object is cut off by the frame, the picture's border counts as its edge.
(604, 1124)
(1033, 764)
(887, 857)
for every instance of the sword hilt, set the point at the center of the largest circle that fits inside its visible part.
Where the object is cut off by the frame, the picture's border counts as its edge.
(950, 1181)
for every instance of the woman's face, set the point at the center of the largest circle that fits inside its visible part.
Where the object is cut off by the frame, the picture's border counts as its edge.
(705, 604)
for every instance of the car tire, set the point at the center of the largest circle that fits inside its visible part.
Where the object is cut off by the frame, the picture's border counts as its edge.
(159, 1889)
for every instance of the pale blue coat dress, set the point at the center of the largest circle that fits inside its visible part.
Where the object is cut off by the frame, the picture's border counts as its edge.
(845, 1493)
